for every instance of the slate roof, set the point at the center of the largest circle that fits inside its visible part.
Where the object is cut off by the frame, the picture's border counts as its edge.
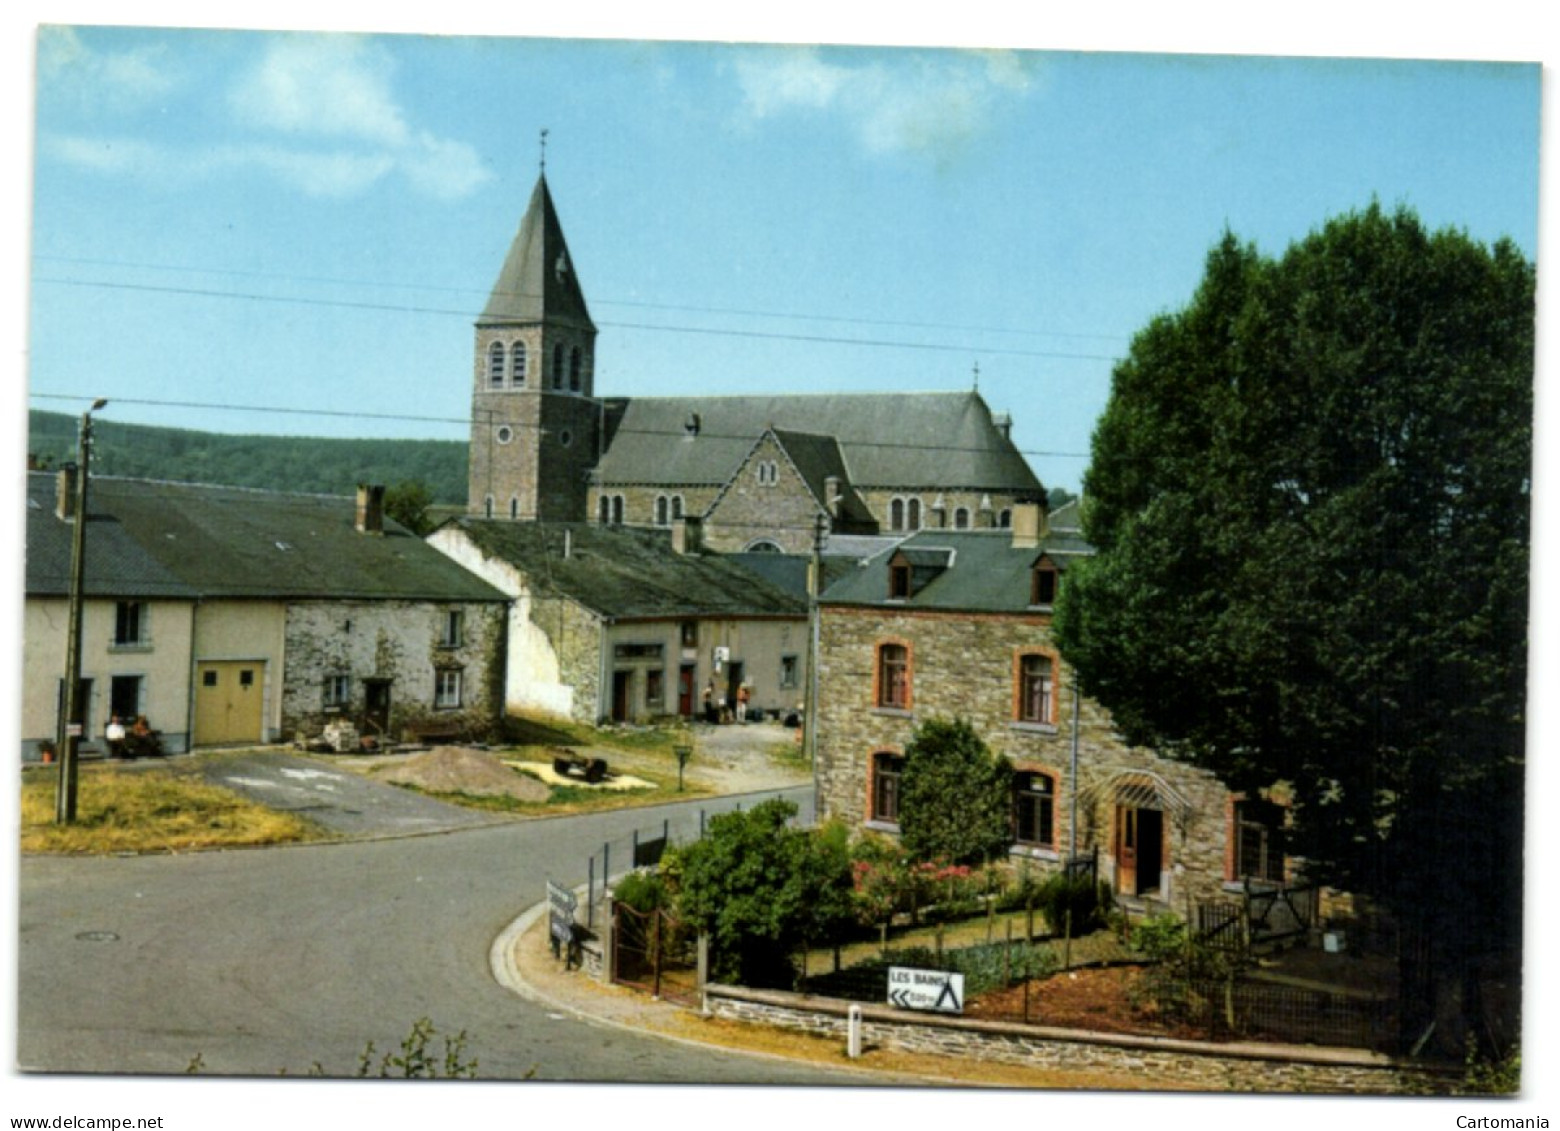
(235, 542)
(116, 565)
(982, 571)
(909, 440)
(538, 276)
(624, 573)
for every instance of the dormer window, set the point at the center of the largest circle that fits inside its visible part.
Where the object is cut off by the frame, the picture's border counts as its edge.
(1043, 580)
(899, 581)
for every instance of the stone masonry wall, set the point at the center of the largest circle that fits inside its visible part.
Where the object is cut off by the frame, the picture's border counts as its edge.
(576, 638)
(399, 641)
(965, 665)
(779, 507)
(1201, 1065)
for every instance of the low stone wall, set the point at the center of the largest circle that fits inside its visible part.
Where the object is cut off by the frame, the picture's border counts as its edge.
(1214, 1067)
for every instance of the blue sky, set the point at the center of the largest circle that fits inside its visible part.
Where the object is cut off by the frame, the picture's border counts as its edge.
(247, 220)
(312, 221)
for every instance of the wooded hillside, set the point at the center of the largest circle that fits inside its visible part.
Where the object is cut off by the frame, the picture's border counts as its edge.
(282, 463)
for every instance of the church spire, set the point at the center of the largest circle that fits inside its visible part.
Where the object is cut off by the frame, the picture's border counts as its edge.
(537, 281)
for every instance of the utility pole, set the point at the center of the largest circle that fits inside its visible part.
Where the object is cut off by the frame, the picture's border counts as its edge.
(810, 693)
(71, 716)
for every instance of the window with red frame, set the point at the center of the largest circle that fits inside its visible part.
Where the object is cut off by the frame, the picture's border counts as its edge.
(887, 769)
(1036, 688)
(893, 676)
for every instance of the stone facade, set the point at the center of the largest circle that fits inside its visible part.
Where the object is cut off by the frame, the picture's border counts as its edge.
(939, 510)
(967, 665)
(1188, 1064)
(639, 504)
(766, 501)
(404, 646)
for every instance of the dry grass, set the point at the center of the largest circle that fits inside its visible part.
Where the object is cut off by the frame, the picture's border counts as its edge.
(119, 809)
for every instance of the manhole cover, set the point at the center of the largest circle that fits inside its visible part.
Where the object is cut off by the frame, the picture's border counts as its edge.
(98, 936)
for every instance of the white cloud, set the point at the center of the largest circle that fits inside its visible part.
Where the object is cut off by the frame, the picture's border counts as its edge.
(328, 86)
(101, 80)
(921, 104)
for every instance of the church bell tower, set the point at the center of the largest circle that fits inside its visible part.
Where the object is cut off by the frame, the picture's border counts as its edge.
(534, 418)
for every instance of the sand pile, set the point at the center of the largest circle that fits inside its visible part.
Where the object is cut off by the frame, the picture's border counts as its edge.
(454, 769)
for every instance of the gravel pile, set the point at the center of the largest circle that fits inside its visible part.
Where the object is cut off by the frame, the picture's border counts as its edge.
(455, 769)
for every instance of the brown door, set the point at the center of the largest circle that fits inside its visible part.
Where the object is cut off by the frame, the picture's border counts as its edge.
(621, 683)
(376, 705)
(1139, 849)
(685, 684)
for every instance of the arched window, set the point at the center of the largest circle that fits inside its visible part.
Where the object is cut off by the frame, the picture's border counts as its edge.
(893, 676)
(557, 380)
(913, 514)
(617, 510)
(887, 770)
(762, 546)
(496, 365)
(574, 370)
(517, 364)
(662, 510)
(1005, 518)
(603, 509)
(487, 507)
(961, 518)
(677, 507)
(1034, 809)
(896, 515)
(514, 507)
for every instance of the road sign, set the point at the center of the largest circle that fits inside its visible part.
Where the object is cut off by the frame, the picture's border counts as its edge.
(935, 991)
(563, 902)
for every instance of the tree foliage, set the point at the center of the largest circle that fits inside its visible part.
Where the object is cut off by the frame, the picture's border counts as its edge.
(408, 502)
(955, 796)
(1310, 497)
(760, 888)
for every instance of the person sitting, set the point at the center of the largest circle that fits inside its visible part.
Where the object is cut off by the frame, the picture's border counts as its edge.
(142, 740)
(115, 736)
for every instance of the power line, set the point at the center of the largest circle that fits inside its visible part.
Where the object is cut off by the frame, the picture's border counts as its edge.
(697, 309)
(494, 421)
(770, 335)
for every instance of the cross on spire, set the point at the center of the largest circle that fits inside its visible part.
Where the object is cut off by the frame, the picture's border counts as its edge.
(977, 376)
(544, 151)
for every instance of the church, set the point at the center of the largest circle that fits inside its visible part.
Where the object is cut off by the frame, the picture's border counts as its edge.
(763, 472)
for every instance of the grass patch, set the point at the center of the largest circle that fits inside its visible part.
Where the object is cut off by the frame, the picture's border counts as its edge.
(149, 810)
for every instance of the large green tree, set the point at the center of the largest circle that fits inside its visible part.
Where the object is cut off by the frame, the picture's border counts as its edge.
(1310, 496)
(955, 795)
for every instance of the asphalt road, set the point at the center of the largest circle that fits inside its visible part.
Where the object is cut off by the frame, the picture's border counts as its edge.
(276, 960)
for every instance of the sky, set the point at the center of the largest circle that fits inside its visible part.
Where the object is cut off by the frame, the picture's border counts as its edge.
(311, 222)
(310, 225)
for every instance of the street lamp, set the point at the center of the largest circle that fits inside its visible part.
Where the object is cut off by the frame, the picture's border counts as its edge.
(71, 715)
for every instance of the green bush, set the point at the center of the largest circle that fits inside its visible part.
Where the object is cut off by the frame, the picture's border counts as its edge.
(986, 967)
(644, 891)
(1090, 903)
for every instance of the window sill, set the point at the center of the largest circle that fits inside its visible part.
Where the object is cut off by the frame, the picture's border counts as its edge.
(1033, 728)
(131, 646)
(894, 712)
(881, 826)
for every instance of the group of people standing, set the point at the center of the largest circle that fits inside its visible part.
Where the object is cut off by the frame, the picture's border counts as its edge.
(718, 709)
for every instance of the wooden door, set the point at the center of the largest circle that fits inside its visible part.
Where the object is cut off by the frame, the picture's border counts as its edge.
(685, 688)
(622, 682)
(1126, 849)
(1139, 849)
(229, 702)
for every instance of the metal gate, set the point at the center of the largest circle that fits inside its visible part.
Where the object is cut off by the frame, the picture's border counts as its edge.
(655, 954)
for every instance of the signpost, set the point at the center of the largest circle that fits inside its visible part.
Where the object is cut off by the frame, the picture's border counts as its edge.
(933, 991)
(562, 903)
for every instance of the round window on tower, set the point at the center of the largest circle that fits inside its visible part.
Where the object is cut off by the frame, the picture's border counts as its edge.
(504, 434)
(566, 437)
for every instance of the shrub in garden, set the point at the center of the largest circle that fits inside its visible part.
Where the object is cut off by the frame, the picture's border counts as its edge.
(955, 796)
(644, 891)
(1088, 901)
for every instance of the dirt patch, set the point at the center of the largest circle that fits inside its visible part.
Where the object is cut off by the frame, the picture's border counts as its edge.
(1099, 999)
(454, 769)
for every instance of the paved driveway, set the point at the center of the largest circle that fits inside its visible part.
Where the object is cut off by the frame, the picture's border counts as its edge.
(344, 802)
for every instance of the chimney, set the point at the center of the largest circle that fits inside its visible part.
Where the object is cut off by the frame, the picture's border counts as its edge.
(688, 535)
(65, 493)
(1028, 517)
(370, 509)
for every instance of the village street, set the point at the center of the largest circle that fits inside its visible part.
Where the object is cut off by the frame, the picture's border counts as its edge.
(263, 961)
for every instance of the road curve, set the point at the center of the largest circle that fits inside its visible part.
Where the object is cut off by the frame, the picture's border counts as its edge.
(264, 961)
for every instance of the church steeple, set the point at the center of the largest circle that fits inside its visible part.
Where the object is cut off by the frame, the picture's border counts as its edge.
(537, 281)
(534, 422)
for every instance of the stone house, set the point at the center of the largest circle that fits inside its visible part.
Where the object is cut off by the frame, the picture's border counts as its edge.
(958, 624)
(277, 613)
(761, 471)
(623, 624)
